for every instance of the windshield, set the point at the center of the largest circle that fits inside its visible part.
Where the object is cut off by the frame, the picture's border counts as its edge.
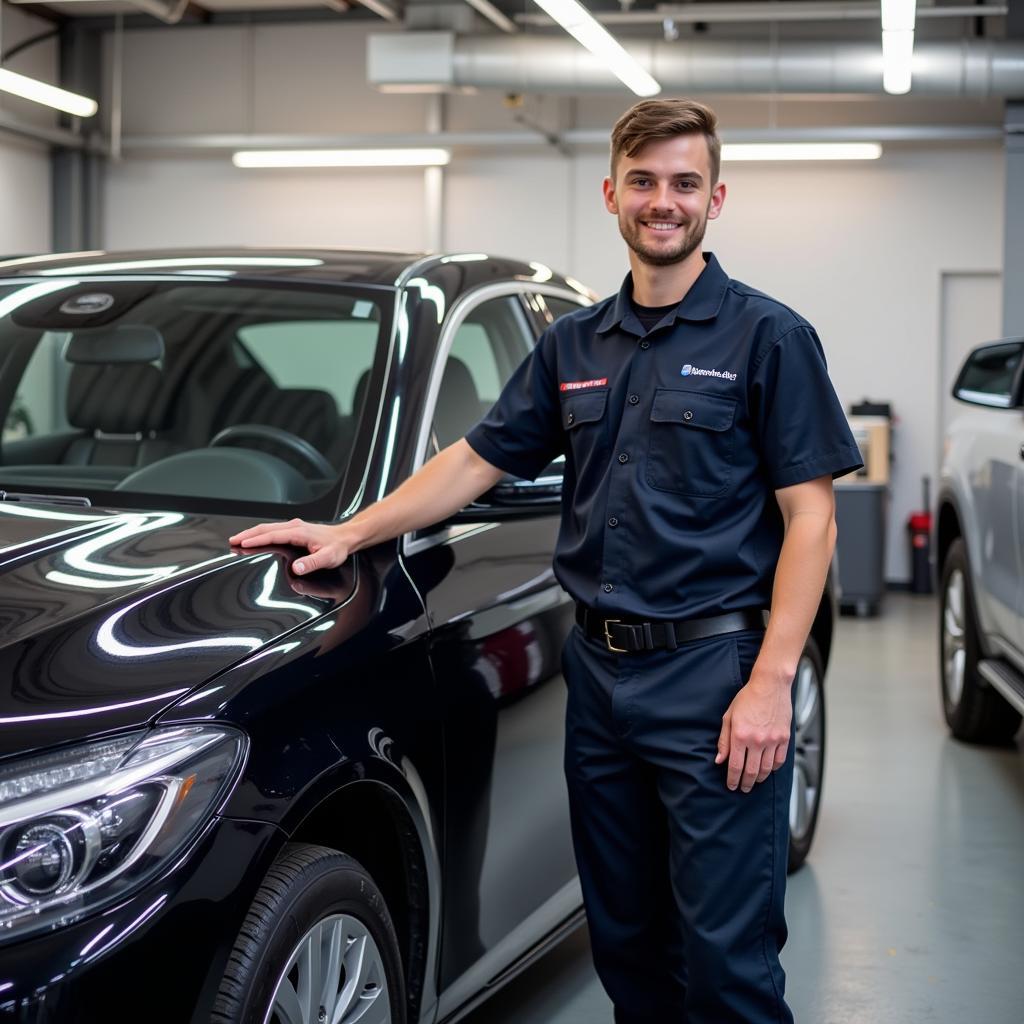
(237, 392)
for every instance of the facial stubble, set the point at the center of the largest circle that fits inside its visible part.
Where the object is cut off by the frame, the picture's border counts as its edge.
(692, 238)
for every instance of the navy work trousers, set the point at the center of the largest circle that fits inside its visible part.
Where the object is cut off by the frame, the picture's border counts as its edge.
(683, 880)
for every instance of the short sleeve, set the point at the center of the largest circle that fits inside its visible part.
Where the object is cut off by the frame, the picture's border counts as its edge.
(798, 419)
(522, 432)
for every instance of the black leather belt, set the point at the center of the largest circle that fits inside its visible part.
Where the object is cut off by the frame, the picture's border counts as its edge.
(626, 637)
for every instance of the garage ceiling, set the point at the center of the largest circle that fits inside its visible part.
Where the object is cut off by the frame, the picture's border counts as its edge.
(841, 19)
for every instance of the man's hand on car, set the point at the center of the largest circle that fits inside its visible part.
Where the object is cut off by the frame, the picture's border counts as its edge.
(328, 544)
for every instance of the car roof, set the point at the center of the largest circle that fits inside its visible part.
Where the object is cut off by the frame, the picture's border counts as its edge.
(356, 266)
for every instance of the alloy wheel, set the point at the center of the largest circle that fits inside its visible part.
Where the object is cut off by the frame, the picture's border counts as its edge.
(954, 651)
(335, 975)
(808, 724)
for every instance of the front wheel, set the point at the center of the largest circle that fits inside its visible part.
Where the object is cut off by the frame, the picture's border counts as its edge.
(974, 711)
(809, 763)
(317, 947)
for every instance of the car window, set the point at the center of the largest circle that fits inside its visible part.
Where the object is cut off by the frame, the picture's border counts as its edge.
(488, 346)
(988, 374)
(551, 307)
(328, 354)
(164, 372)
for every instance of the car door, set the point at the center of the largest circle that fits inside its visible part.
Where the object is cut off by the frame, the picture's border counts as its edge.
(498, 620)
(992, 439)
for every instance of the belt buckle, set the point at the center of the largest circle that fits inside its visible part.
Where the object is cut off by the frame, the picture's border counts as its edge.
(608, 638)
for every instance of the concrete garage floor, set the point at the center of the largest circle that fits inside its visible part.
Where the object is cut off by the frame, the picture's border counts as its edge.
(911, 908)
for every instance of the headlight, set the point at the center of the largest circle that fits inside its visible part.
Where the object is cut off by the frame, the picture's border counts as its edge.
(83, 826)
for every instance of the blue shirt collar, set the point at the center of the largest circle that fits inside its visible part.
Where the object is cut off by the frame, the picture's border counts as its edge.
(701, 302)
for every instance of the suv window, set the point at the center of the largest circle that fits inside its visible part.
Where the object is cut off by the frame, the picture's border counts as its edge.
(988, 375)
(488, 346)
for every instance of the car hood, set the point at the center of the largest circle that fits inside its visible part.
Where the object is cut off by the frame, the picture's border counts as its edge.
(109, 617)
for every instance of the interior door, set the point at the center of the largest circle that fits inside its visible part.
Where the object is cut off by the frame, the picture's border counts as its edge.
(498, 620)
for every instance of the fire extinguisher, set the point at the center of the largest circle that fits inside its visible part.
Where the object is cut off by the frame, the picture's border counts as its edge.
(919, 530)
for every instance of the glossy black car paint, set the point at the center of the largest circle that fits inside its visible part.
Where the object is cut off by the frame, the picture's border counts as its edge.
(406, 708)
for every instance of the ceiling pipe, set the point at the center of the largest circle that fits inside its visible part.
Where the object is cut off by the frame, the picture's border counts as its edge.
(216, 144)
(979, 68)
(771, 11)
(170, 12)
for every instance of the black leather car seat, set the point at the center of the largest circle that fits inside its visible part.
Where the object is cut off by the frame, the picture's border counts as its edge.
(116, 394)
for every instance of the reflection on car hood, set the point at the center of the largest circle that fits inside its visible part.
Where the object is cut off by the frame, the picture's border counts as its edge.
(106, 618)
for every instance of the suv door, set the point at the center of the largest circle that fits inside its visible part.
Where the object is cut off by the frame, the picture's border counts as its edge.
(499, 619)
(988, 441)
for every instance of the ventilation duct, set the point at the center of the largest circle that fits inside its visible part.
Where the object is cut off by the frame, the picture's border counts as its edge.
(969, 68)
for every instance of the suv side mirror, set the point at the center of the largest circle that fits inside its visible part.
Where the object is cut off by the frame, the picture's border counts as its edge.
(991, 375)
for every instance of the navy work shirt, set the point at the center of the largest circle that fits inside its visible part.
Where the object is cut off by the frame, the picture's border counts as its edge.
(675, 440)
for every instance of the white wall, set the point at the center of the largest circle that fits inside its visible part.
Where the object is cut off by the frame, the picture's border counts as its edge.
(24, 197)
(25, 166)
(858, 249)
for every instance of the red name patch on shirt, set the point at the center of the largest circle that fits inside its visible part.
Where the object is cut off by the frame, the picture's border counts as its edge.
(575, 385)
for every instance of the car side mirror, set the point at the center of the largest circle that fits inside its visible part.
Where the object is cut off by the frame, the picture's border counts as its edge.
(512, 496)
(991, 375)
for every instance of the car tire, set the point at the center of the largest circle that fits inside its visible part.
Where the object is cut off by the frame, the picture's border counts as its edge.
(974, 711)
(809, 765)
(318, 922)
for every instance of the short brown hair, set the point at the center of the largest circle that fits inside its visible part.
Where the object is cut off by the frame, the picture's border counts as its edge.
(650, 120)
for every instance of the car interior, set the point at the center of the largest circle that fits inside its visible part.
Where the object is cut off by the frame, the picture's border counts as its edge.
(204, 391)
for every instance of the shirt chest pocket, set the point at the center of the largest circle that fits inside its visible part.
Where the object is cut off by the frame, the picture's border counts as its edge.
(583, 422)
(692, 443)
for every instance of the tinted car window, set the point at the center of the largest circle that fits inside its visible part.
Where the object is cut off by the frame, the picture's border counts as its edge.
(552, 307)
(488, 345)
(988, 375)
(109, 385)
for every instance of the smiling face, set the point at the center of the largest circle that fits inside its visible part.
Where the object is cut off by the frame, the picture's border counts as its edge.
(663, 198)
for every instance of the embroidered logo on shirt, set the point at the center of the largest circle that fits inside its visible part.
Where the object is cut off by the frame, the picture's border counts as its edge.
(689, 370)
(575, 385)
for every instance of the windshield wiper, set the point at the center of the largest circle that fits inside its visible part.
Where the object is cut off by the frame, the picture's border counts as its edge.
(46, 499)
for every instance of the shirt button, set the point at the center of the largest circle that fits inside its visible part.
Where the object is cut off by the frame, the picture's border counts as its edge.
(608, 588)
(645, 344)
(613, 522)
(688, 415)
(633, 399)
(571, 417)
(623, 457)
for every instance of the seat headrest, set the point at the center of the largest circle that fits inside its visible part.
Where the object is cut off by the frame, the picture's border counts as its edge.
(116, 399)
(128, 343)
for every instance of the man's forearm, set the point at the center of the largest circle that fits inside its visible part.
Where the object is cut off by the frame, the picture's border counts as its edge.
(799, 583)
(448, 482)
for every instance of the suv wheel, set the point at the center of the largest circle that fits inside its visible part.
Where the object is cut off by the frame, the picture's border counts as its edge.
(317, 947)
(809, 764)
(973, 710)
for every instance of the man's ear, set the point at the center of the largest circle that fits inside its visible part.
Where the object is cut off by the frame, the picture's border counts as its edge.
(610, 204)
(717, 200)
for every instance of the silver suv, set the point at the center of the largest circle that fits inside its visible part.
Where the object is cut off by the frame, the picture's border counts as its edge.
(979, 551)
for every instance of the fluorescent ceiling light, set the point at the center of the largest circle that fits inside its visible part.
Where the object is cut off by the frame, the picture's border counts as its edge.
(49, 95)
(341, 158)
(580, 24)
(898, 18)
(897, 57)
(899, 15)
(801, 151)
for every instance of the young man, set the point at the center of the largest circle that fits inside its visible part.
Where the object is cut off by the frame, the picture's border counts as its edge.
(701, 435)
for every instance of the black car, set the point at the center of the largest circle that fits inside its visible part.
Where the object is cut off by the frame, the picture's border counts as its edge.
(230, 794)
